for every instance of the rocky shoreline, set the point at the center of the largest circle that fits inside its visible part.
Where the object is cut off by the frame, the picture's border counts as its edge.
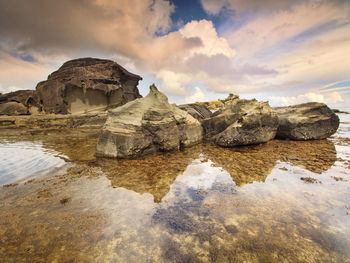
(151, 124)
(101, 94)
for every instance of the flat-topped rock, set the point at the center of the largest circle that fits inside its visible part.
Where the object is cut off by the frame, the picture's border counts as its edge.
(87, 84)
(307, 121)
(242, 122)
(147, 125)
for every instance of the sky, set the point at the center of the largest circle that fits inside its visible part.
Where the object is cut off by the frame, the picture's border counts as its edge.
(282, 51)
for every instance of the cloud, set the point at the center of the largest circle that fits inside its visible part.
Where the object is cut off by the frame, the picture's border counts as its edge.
(197, 96)
(284, 47)
(216, 7)
(212, 44)
(280, 27)
(130, 28)
(174, 83)
(333, 97)
(307, 45)
(17, 74)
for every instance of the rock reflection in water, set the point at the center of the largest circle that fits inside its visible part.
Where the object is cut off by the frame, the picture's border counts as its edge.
(155, 174)
(204, 206)
(254, 163)
(152, 174)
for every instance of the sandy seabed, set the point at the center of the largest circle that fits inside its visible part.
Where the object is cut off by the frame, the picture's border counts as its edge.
(283, 201)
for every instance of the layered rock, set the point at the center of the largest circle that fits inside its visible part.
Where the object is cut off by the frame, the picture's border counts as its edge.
(87, 84)
(306, 121)
(199, 112)
(12, 108)
(242, 122)
(147, 125)
(19, 103)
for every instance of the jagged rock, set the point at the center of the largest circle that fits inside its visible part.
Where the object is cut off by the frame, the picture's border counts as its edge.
(12, 108)
(340, 111)
(306, 121)
(87, 84)
(242, 122)
(28, 99)
(199, 112)
(147, 125)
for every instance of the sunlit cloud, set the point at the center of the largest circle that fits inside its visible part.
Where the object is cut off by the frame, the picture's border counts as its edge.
(291, 49)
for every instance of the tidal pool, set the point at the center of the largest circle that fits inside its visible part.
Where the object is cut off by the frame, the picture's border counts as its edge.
(283, 201)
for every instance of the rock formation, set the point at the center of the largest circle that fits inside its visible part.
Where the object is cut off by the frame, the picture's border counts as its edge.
(13, 108)
(19, 102)
(306, 121)
(147, 125)
(82, 85)
(242, 122)
(199, 112)
(87, 84)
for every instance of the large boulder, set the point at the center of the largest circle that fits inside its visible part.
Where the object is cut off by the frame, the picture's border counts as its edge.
(306, 121)
(197, 111)
(28, 99)
(242, 122)
(86, 85)
(12, 108)
(147, 125)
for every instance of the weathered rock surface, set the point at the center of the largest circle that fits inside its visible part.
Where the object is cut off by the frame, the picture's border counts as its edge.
(306, 121)
(80, 86)
(28, 99)
(12, 108)
(147, 125)
(242, 122)
(87, 84)
(199, 112)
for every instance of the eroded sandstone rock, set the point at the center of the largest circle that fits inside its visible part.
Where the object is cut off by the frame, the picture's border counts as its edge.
(12, 108)
(197, 111)
(147, 125)
(28, 99)
(306, 121)
(87, 84)
(242, 122)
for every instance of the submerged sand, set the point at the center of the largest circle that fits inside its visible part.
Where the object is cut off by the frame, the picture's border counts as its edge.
(283, 201)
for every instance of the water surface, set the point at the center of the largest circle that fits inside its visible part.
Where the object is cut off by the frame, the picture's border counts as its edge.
(282, 201)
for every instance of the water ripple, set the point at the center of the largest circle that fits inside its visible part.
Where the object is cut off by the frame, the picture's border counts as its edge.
(19, 160)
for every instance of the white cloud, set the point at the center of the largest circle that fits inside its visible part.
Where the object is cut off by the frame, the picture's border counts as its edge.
(273, 29)
(212, 44)
(174, 83)
(332, 98)
(197, 96)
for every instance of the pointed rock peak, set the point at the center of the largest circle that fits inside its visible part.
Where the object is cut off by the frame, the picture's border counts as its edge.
(154, 92)
(153, 88)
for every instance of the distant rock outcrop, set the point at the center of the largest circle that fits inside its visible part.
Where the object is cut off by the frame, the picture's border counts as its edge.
(242, 122)
(147, 125)
(20, 102)
(87, 84)
(13, 108)
(306, 121)
(82, 85)
(199, 112)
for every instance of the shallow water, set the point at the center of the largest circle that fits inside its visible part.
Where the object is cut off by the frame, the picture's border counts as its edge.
(282, 201)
